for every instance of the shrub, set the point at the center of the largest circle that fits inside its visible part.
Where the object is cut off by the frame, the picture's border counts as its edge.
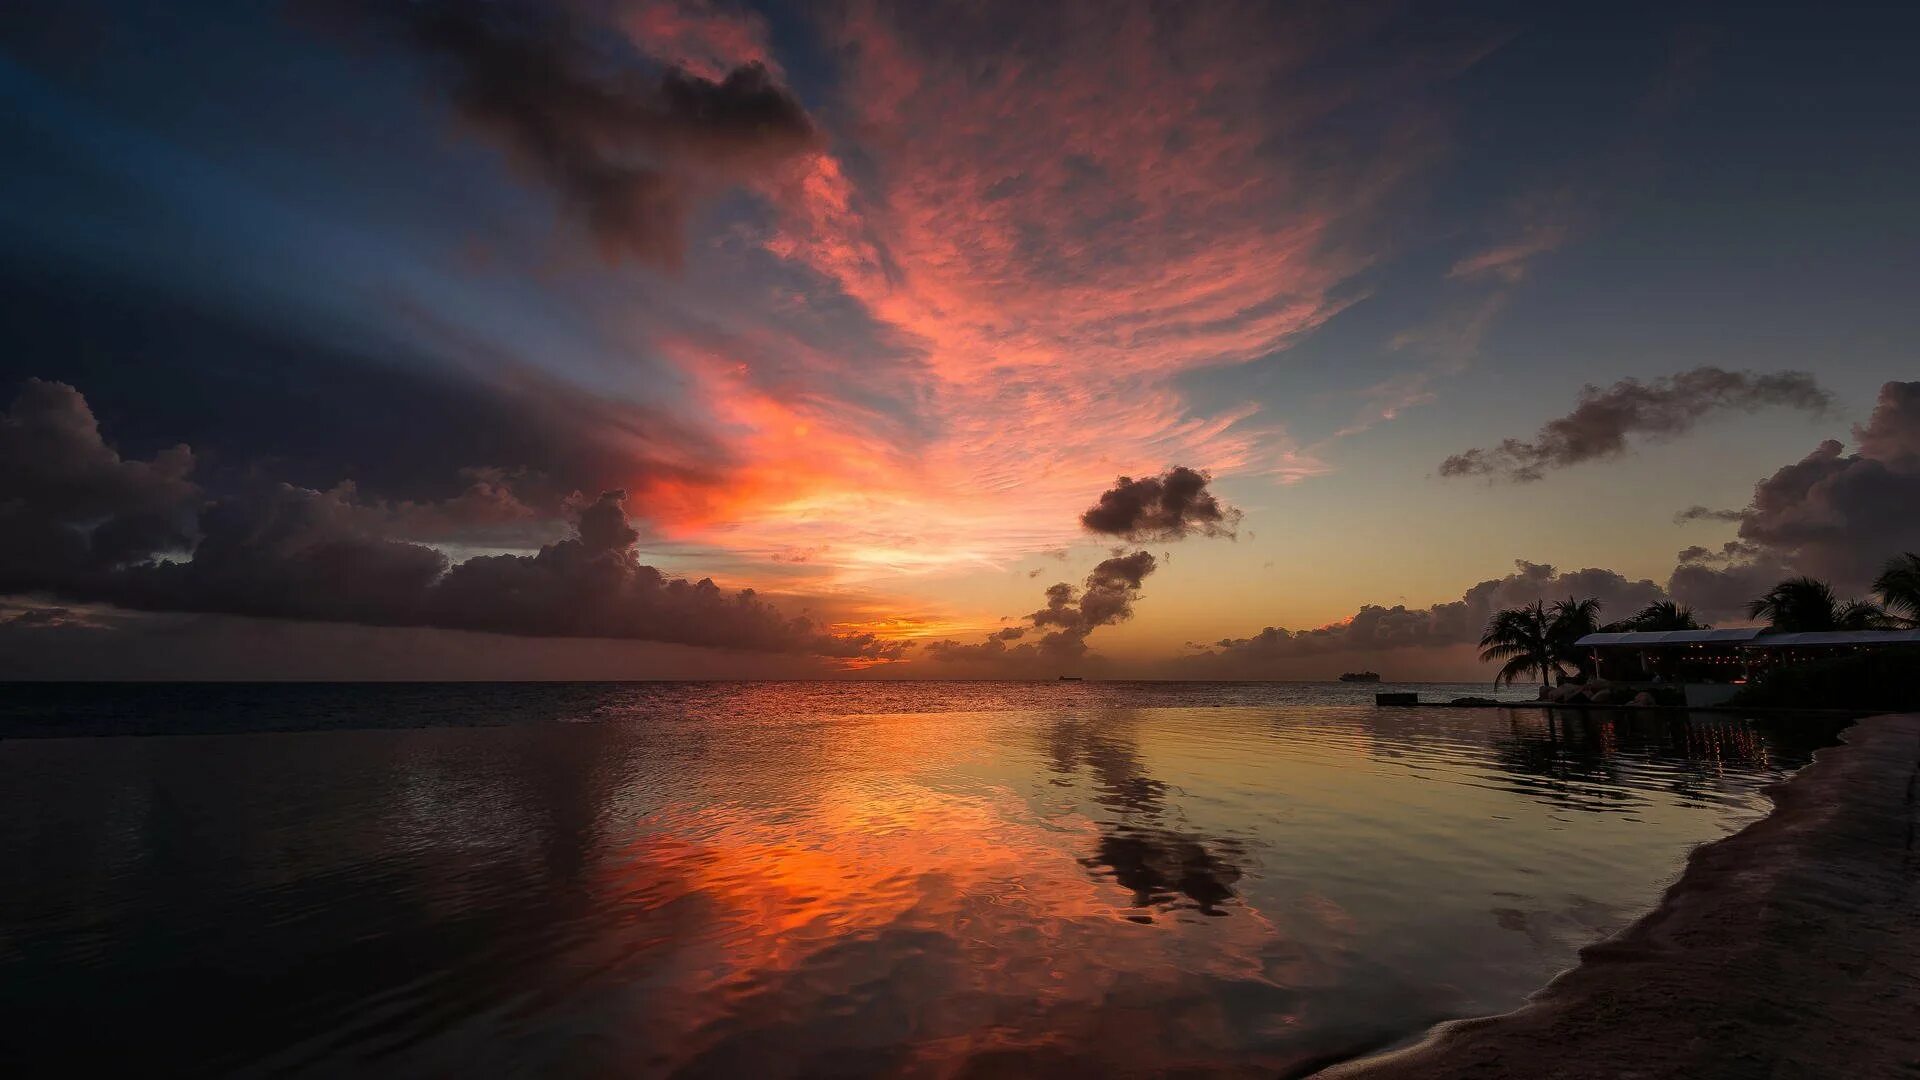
(1881, 681)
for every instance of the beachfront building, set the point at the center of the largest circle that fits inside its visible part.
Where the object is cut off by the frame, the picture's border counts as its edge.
(1710, 665)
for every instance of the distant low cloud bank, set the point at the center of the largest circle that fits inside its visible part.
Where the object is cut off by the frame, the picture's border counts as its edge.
(1602, 422)
(1835, 515)
(1170, 506)
(1376, 628)
(79, 520)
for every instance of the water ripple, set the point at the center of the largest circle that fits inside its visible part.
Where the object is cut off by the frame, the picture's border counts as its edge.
(800, 879)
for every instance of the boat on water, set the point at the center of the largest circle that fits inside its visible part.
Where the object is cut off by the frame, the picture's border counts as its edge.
(1361, 676)
(1072, 678)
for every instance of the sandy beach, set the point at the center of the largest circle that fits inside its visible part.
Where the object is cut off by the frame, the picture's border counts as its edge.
(1791, 949)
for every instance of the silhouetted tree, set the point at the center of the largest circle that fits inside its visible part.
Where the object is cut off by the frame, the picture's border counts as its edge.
(1863, 615)
(1570, 620)
(1899, 587)
(1662, 615)
(1808, 605)
(1523, 637)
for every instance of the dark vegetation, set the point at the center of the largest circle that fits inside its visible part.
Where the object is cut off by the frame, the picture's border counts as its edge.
(1866, 682)
(1539, 638)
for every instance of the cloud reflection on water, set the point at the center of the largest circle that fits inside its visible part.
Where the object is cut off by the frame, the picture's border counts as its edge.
(779, 891)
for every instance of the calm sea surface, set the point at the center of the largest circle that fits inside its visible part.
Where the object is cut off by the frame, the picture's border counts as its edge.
(787, 879)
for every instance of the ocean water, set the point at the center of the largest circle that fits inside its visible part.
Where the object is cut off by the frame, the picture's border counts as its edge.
(807, 879)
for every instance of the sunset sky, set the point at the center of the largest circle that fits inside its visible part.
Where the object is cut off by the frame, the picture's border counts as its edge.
(351, 338)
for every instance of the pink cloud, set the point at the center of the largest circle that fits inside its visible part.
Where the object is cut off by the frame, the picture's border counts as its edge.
(975, 300)
(1056, 214)
(708, 40)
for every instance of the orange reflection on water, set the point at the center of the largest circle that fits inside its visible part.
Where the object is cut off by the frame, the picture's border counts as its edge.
(946, 928)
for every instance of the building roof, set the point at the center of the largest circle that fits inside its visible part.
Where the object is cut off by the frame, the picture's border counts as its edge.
(1645, 639)
(1751, 637)
(1838, 637)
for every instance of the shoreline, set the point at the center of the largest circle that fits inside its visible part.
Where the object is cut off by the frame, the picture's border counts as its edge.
(1587, 706)
(1789, 949)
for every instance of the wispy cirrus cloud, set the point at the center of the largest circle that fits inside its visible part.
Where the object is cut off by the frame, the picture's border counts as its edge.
(1043, 217)
(980, 260)
(704, 39)
(1056, 231)
(1509, 259)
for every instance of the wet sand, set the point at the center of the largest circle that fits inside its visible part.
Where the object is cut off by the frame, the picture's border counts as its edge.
(1791, 949)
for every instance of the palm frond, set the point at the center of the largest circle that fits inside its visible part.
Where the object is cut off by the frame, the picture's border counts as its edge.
(1899, 586)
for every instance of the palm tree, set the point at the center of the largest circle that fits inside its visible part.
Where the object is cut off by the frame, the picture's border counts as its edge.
(1862, 615)
(1804, 604)
(1899, 587)
(1663, 615)
(1524, 638)
(1569, 621)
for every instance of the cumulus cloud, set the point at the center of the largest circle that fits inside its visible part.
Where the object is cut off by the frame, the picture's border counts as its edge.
(1377, 628)
(1601, 424)
(1170, 506)
(1840, 515)
(1892, 433)
(79, 520)
(1070, 615)
(301, 554)
(1718, 583)
(497, 507)
(626, 146)
(1833, 514)
(70, 503)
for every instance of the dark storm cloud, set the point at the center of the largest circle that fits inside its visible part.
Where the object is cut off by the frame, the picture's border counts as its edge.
(1892, 433)
(70, 504)
(287, 552)
(1601, 423)
(299, 554)
(1160, 508)
(626, 146)
(78, 520)
(402, 423)
(1070, 615)
(489, 506)
(1840, 516)
(1376, 628)
(1718, 583)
